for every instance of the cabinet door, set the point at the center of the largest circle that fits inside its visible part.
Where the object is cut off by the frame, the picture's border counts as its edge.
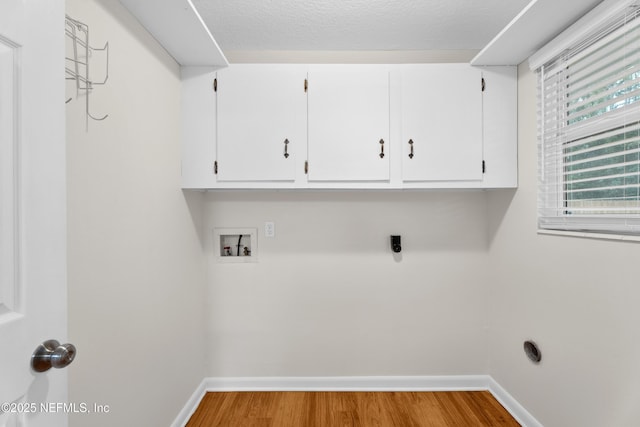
(348, 109)
(261, 122)
(500, 126)
(441, 122)
(198, 127)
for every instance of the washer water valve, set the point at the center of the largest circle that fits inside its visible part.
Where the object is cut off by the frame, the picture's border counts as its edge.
(236, 244)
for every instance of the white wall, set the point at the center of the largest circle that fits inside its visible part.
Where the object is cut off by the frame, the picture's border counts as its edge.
(136, 269)
(328, 297)
(577, 298)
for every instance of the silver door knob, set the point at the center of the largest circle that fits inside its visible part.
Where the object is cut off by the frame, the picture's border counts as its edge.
(52, 354)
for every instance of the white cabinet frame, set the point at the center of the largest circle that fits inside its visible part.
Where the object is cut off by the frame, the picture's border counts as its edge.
(498, 137)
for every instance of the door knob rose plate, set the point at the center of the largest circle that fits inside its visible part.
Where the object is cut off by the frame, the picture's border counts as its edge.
(52, 354)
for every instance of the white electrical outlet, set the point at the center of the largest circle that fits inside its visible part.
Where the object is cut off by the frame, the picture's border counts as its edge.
(269, 229)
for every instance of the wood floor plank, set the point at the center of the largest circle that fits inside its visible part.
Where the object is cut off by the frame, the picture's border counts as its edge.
(351, 409)
(428, 409)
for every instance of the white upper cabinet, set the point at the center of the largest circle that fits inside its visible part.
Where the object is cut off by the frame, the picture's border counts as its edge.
(198, 112)
(354, 126)
(261, 122)
(500, 126)
(348, 110)
(441, 116)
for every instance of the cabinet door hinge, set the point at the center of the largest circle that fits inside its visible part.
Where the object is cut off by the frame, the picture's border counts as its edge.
(484, 85)
(306, 166)
(215, 167)
(484, 167)
(215, 84)
(306, 85)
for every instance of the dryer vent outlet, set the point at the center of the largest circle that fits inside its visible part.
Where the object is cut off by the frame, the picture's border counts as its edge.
(532, 351)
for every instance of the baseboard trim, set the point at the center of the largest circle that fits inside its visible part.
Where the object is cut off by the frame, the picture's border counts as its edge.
(514, 407)
(404, 383)
(386, 383)
(191, 405)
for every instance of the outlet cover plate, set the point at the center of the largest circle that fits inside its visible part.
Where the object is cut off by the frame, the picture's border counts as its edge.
(269, 229)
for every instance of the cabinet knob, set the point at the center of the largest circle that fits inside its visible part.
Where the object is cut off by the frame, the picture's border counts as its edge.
(411, 147)
(286, 144)
(382, 148)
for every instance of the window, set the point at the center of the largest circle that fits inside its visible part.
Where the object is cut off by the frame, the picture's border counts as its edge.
(589, 125)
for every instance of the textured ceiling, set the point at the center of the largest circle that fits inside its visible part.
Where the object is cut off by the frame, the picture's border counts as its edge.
(356, 24)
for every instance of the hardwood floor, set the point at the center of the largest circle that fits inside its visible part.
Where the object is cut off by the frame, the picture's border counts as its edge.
(328, 409)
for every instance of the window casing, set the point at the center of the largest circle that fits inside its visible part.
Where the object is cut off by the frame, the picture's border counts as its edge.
(589, 130)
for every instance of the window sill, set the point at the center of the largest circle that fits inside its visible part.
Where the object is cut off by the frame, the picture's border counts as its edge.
(591, 235)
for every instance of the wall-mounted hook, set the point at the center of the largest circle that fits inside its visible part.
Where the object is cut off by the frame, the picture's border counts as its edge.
(77, 65)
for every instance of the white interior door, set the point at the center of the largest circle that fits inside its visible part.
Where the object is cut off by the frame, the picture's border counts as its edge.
(32, 210)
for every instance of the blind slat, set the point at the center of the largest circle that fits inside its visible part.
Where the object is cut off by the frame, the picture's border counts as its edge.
(598, 179)
(585, 102)
(612, 99)
(602, 189)
(629, 128)
(600, 159)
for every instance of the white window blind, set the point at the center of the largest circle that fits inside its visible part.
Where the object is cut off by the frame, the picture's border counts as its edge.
(589, 130)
